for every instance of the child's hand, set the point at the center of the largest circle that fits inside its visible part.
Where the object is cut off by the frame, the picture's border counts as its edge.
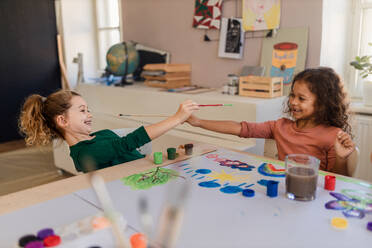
(185, 110)
(344, 146)
(193, 121)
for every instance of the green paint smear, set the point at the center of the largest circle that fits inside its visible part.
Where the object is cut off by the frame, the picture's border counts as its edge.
(150, 178)
(363, 196)
(324, 173)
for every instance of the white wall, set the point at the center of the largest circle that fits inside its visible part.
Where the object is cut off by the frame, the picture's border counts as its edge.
(336, 42)
(79, 36)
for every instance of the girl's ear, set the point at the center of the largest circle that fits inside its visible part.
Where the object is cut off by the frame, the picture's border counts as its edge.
(61, 121)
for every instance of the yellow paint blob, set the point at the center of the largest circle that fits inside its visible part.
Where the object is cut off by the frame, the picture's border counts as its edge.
(339, 223)
(223, 176)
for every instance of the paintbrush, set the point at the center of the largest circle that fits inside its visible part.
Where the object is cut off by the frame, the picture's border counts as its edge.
(142, 115)
(214, 105)
(118, 224)
(146, 219)
(172, 214)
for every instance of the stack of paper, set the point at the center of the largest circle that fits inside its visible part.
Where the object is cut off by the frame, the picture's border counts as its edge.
(167, 75)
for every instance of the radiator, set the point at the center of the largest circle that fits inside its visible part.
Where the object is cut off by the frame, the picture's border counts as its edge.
(363, 139)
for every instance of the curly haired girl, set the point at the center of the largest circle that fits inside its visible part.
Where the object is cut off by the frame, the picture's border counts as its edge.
(318, 123)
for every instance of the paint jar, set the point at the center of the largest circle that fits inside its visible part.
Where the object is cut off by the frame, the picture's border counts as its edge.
(233, 84)
(329, 182)
(284, 61)
(233, 79)
(272, 188)
(158, 157)
(188, 149)
(233, 90)
(225, 89)
(301, 176)
(171, 153)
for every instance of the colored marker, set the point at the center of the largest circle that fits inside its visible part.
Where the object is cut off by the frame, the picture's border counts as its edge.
(214, 105)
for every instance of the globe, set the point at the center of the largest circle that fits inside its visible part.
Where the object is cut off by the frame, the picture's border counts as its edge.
(122, 59)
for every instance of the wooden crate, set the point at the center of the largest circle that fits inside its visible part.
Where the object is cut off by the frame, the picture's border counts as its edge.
(255, 86)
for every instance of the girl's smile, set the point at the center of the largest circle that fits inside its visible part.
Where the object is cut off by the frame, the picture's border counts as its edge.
(79, 117)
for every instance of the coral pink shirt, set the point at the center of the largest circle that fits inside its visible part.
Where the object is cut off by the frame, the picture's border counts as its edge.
(317, 141)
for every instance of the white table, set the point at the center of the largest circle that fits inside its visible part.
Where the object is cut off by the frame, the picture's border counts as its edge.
(50, 214)
(215, 219)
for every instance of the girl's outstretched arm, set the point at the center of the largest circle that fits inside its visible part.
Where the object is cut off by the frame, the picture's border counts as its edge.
(228, 127)
(184, 111)
(346, 154)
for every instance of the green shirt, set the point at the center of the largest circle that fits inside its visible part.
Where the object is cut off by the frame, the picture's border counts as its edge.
(107, 149)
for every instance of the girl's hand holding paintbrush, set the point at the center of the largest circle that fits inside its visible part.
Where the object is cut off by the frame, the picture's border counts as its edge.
(184, 111)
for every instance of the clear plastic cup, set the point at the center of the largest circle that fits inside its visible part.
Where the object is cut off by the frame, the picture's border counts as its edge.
(301, 176)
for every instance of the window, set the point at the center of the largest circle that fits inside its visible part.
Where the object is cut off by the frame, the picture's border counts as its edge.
(360, 37)
(108, 27)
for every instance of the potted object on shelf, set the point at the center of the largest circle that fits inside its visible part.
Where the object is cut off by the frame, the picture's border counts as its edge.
(364, 64)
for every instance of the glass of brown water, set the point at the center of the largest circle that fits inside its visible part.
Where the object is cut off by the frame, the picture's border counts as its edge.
(301, 176)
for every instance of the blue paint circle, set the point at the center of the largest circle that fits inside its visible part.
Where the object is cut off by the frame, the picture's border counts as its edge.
(249, 168)
(263, 182)
(209, 184)
(231, 189)
(248, 193)
(203, 171)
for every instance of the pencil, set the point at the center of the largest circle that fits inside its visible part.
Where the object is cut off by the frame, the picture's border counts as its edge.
(214, 105)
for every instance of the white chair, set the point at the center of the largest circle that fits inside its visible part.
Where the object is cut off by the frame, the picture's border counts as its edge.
(352, 162)
(271, 151)
(63, 161)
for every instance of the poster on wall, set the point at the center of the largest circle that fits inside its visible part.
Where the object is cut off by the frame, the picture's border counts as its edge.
(231, 42)
(207, 14)
(285, 54)
(260, 14)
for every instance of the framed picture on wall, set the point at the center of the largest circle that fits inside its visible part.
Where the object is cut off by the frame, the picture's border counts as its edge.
(231, 38)
(207, 14)
(261, 14)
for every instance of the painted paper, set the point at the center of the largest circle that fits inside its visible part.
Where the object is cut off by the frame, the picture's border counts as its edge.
(285, 54)
(261, 14)
(207, 14)
(351, 207)
(150, 178)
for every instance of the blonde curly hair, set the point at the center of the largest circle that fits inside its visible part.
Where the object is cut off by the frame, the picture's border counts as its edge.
(37, 119)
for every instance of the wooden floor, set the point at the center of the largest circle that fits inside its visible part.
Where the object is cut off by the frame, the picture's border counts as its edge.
(12, 145)
(24, 167)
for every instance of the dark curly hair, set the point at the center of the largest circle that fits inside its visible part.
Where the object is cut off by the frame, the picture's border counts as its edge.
(332, 103)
